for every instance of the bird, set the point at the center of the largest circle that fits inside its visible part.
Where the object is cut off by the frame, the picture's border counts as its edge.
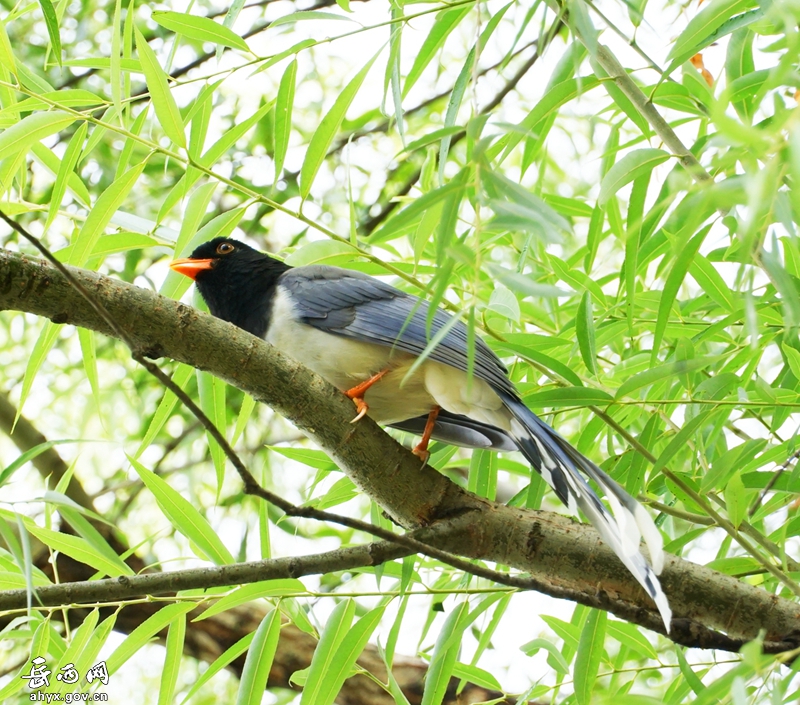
(365, 336)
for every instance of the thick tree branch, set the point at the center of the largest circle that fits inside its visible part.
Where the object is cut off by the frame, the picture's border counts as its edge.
(564, 555)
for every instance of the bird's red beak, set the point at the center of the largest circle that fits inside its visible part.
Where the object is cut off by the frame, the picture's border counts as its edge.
(191, 267)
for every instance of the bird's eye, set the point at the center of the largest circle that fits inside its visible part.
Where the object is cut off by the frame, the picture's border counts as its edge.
(224, 248)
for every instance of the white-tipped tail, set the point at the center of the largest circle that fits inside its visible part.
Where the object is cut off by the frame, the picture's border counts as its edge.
(623, 528)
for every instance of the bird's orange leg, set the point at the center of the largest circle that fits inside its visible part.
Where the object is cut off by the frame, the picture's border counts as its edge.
(357, 394)
(421, 449)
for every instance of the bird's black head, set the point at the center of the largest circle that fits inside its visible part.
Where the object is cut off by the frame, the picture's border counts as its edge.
(236, 281)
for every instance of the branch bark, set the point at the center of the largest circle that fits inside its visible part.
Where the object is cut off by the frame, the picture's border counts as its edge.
(565, 557)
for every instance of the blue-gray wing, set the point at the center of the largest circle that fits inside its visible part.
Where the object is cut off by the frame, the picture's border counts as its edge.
(360, 307)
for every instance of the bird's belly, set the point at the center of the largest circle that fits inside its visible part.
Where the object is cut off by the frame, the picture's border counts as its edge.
(345, 363)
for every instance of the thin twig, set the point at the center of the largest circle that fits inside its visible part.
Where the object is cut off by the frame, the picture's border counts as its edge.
(775, 477)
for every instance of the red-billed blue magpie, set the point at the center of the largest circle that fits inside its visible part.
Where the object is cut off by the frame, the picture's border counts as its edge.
(363, 336)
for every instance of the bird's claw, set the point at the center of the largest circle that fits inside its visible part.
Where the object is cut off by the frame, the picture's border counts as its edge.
(362, 407)
(422, 453)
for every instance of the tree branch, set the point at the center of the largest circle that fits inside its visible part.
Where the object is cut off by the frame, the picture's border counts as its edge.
(640, 101)
(565, 557)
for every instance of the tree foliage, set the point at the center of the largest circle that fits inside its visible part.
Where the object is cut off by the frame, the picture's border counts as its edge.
(605, 194)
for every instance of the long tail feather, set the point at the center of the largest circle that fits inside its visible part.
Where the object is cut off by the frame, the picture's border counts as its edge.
(561, 465)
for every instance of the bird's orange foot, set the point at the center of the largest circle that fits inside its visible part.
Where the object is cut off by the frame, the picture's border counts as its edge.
(421, 449)
(422, 452)
(362, 408)
(357, 394)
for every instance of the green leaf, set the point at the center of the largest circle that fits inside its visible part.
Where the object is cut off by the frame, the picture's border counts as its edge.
(80, 646)
(181, 378)
(331, 639)
(688, 672)
(331, 252)
(445, 654)
(193, 215)
(44, 343)
(554, 658)
(739, 64)
(200, 115)
(341, 665)
(184, 517)
(525, 284)
(169, 117)
(446, 21)
(792, 359)
(632, 165)
(735, 499)
(280, 56)
(172, 659)
(212, 402)
(231, 136)
(7, 473)
(590, 652)
(662, 372)
(577, 279)
(104, 208)
(203, 29)
(145, 632)
(53, 164)
(283, 115)
(66, 169)
(317, 459)
(115, 59)
(537, 357)
(476, 675)
(584, 330)
(343, 490)
(568, 396)
(702, 28)
(74, 514)
(677, 274)
(712, 283)
(246, 410)
(412, 214)
(81, 550)
(503, 302)
(328, 127)
(431, 137)
(259, 659)
(678, 443)
(392, 73)
(581, 24)
(19, 137)
(308, 15)
(51, 21)
(456, 96)
(537, 122)
(631, 636)
(254, 591)
(222, 661)
(483, 474)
